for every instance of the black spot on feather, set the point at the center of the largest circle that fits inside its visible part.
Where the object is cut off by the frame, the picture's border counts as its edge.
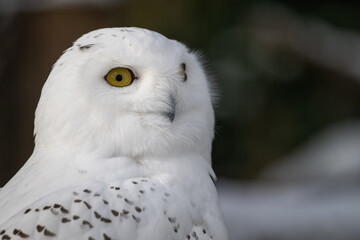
(87, 223)
(128, 201)
(23, 235)
(212, 178)
(172, 219)
(85, 47)
(97, 215)
(87, 191)
(48, 233)
(105, 220)
(6, 237)
(65, 220)
(106, 237)
(39, 228)
(124, 213)
(64, 210)
(137, 219)
(115, 213)
(87, 205)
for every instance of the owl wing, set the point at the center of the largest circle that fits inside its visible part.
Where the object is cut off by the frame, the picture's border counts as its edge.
(136, 208)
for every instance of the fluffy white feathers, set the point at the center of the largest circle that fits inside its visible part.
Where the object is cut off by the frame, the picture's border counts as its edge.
(97, 137)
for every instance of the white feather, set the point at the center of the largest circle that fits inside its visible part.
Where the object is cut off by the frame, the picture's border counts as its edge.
(93, 136)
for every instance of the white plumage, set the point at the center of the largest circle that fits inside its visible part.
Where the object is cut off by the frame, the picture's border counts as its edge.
(128, 162)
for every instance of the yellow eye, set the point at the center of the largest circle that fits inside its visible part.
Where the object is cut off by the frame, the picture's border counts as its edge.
(120, 77)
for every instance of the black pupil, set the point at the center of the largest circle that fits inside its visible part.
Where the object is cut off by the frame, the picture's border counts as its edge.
(119, 78)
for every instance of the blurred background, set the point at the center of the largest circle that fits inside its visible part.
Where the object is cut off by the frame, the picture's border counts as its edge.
(287, 146)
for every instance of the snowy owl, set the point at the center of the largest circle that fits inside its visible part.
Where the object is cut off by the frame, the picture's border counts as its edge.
(123, 134)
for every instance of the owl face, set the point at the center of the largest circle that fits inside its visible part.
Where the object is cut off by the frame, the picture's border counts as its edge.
(126, 92)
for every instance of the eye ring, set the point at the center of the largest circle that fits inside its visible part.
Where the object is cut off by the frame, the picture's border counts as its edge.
(120, 77)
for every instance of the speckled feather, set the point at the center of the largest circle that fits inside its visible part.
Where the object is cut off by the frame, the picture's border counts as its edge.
(119, 163)
(102, 211)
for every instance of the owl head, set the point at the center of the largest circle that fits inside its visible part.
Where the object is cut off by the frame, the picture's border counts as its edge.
(126, 92)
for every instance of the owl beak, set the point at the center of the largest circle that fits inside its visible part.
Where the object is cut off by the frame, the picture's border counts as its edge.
(171, 113)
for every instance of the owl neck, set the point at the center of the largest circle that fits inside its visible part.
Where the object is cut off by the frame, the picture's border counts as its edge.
(63, 165)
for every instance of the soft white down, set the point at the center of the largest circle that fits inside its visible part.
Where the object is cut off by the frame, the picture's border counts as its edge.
(110, 162)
